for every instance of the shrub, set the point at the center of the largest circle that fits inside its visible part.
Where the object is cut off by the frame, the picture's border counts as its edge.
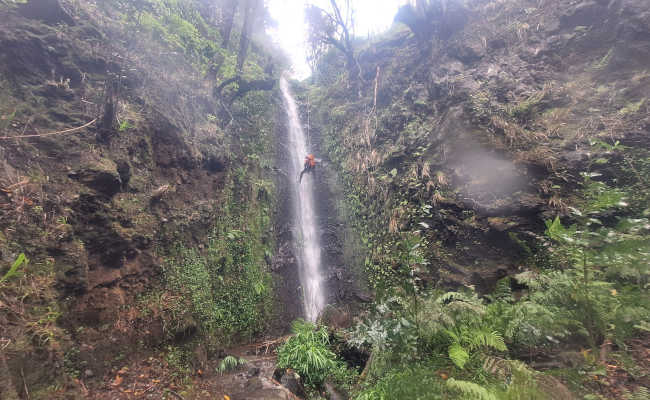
(308, 354)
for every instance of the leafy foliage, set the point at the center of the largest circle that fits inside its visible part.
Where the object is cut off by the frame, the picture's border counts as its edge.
(470, 389)
(308, 353)
(230, 363)
(226, 283)
(415, 381)
(20, 260)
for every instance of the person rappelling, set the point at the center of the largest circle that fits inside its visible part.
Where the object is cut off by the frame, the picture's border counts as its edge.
(310, 164)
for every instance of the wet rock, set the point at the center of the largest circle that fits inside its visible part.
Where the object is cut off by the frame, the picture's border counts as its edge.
(253, 372)
(101, 175)
(260, 388)
(333, 393)
(496, 44)
(89, 373)
(363, 297)
(501, 224)
(48, 11)
(56, 90)
(486, 280)
(586, 13)
(467, 52)
(71, 266)
(277, 374)
(552, 387)
(291, 381)
(336, 317)
(124, 170)
(184, 328)
(213, 165)
(284, 257)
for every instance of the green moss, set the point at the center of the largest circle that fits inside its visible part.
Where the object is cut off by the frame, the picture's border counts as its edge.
(632, 107)
(181, 27)
(227, 284)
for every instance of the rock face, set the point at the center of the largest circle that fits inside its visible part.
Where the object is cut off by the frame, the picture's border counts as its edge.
(290, 380)
(488, 127)
(101, 176)
(98, 211)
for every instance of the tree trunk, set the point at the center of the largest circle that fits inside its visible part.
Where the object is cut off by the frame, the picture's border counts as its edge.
(249, 17)
(109, 112)
(229, 20)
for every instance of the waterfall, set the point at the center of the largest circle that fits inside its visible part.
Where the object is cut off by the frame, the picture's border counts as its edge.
(307, 240)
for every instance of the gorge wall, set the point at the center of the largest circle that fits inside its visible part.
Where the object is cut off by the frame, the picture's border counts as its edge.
(478, 134)
(153, 229)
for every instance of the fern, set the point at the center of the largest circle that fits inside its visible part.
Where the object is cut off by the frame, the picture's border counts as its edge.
(230, 363)
(458, 355)
(470, 390)
(487, 339)
(641, 393)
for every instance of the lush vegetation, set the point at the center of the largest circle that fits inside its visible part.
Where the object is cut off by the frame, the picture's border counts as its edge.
(567, 291)
(308, 352)
(211, 286)
(581, 281)
(227, 283)
(591, 292)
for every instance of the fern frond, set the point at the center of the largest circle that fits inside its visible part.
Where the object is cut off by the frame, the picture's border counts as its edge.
(229, 363)
(449, 297)
(641, 393)
(643, 325)
(470, 390)
(458, 355)
(485, 338)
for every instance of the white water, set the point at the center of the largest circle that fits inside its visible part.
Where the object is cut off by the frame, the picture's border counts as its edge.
(307, 240)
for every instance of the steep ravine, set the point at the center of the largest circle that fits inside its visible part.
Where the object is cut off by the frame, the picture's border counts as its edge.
(163, 240)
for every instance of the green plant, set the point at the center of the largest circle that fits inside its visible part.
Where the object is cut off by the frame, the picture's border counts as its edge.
(72, 362)
(230, 363)
(470, 389)
(5, 120)
(12, 2)
(604, 61)
(177, 358)
(125, 126)
(414, 381)
(456, 320)
(13, 271)
(641, 393)
(632, 107)
(308, 353)
(600, 257)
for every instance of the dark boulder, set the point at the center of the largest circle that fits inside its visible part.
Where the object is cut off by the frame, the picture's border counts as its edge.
(101, 175)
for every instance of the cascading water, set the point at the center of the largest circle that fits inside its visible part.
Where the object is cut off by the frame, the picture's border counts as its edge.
(307, 241)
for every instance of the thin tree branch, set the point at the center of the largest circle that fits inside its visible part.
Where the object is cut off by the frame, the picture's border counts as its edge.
(50, 133)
